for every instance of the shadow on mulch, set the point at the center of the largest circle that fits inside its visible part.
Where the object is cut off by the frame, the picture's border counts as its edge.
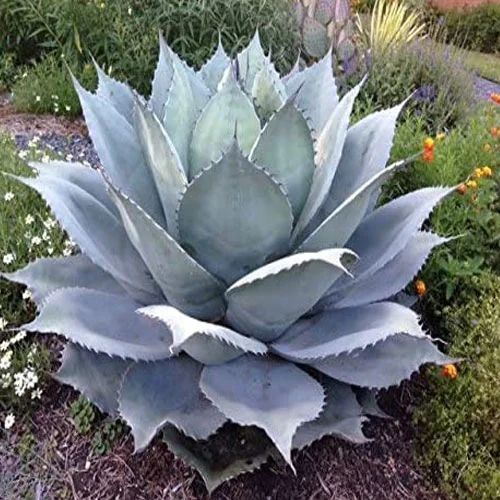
(64, 466)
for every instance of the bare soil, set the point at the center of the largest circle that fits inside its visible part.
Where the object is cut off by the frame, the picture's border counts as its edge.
(50, 460)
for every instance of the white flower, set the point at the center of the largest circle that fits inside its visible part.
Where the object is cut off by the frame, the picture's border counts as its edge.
(30, 379)
(6, 360)
(4, 345)
(9, 421)
(45, 236)
(36, 240)
(8, 258)
(20, 335)
(45, 159)
(68, 108)
(6, 380)
(50, 250)
(50, 223)
(25, 74)
(23, 154)
(3, 323)
(26, 294)
(69, 157)
(38, 98)
(36, 394)
(19, 384)
(67, 252)
(29, 219)
(129, 11)
(8, 196)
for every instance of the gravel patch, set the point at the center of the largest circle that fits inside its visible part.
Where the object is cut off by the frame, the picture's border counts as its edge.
(484, 88)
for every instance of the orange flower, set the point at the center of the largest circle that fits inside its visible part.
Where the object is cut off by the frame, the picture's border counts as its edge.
(487, 172)
(487, 148)
(428, 156)
(495, 97)
(450, 371)
(478, 173)
(429, 144)
(420, 288)
(462, 189)
(472, 184)
(495, 132)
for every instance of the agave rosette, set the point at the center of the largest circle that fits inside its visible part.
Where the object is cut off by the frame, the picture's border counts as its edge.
(212, 284)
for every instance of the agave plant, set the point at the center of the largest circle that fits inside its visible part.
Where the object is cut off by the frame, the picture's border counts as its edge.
(234, 266)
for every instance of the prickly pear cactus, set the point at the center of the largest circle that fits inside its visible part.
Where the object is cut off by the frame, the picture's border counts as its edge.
(325, 24)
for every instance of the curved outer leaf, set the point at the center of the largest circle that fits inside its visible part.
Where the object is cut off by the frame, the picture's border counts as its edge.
(250, 61)
(268, 92)
(163, 161)
(366, 151)
(119, 94)
(205, 342)
(294, 71)
(234, 216)
(340, 417)
(102, 322)
(214, 68)
(154, 394)
(202, 459)
(384, 364)
(186, 99)
(328, 151)
(391, 278)
(285, 149)
(119, 151)
(185, 283)
(278, 396)
(385, 232)
(267, 301)
(77, 195)
(317, 94)
(368, 400)
(343, 330)
(45, 276)
(162, 81)
(228, 111)
(97, 376)
(339, 226)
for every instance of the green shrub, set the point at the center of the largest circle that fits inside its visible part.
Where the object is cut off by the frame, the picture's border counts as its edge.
(476, 29)
(443, 85)
(123, 35)
(459, 428)
(46, 87)
(8, 71)
(453, 268)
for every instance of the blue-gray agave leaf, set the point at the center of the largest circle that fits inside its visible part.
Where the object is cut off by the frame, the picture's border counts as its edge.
(205, 342)
(316, 92)
(328, 151)
(154, 394)
(341, 416)
(384, 364)
(183, 107)
(267, 301)
(391, 278)
(385, 232)
(342, 331)
(162, 81)
(268, 92)
(119, 94)
(120, 152)
(278, 397)
(96, 375)
(228, 111)
(78, 197)
(366, 151)
(163, 161)
(285, 149)
(45, 276)
(234, 216)
(250, 61)
(184, 282)
(339, 226)
(214, 68)
(367, 398)
(103, 322)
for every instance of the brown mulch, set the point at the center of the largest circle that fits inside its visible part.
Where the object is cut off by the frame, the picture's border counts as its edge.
(13, 122)
(64, 465)
(59, 463)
